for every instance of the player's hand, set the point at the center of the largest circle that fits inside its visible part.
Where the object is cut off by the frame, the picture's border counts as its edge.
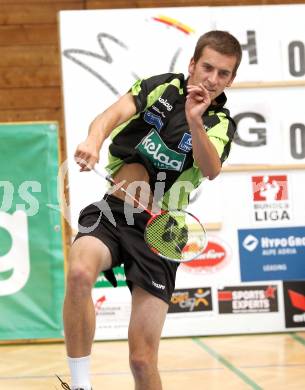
(86, 155)
(197, 101)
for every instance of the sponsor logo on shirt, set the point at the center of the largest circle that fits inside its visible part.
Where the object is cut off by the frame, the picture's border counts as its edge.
(158, 111)
(186, 142)
(165, 103)
(153, 119)
(162, 157)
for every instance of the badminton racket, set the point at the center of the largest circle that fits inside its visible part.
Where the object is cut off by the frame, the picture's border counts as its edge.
(174, 235)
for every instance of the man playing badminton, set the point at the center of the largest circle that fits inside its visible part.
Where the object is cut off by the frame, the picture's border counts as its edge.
(167, 129)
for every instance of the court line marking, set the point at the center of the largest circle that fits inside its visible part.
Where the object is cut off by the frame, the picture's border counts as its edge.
(298, 338)
(110, 373)
(227, 364)
(165, 371)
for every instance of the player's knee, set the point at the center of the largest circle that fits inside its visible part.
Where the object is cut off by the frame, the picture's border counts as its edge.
(139, 365)
(79, 278)
(142, 363)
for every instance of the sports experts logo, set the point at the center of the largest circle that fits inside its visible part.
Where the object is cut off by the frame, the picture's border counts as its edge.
(248, 299)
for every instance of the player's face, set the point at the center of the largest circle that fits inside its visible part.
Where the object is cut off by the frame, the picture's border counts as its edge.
(214, 70)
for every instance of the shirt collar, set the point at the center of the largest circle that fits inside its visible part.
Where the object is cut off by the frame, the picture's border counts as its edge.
(220, 100)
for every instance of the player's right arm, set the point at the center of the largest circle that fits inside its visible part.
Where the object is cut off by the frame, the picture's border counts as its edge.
(87, 152)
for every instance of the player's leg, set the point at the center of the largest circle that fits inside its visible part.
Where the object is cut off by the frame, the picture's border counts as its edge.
(146, 322)
(88, 256)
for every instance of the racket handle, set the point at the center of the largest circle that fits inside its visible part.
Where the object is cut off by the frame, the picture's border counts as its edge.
(106, 177)
(110, 180)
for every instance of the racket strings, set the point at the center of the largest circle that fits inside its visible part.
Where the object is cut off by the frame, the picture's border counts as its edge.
(170, 235)
(165, 236)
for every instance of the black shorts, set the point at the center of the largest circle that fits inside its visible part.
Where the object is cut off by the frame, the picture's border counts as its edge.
(116, 224)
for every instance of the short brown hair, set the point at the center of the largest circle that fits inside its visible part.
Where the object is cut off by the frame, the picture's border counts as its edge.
(222, 42)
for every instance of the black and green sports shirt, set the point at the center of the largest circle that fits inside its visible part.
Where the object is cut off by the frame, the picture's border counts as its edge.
(158, 135)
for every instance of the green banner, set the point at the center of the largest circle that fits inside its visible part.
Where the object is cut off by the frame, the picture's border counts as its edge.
(31, 242)
(119, 275)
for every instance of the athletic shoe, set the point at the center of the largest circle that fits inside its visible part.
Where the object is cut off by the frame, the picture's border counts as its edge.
(65, 385)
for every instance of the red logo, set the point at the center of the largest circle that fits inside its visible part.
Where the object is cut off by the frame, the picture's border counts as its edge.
(297, 300)
(269, 188)
(98, 304)
(225, 295)
(215, 255)
(270, 292)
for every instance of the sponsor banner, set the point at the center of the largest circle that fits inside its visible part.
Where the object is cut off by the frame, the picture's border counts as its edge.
(248, 299)
(294, 298)
(258, 139)
(270, 199)
(190, 300)
(31, 245)
(216, 255)
(272, 253)
(91, 62)
(264, 135)
(119, 275)
(294, 132)
(112, 309)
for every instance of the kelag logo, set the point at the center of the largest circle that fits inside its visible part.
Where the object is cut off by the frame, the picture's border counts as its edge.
(153, 147)
(270, 197)
(272, 254)
(191, 300)
(294, 298)
(248, 299)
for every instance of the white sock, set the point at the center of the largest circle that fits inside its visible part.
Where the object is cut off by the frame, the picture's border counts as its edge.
(80, 372)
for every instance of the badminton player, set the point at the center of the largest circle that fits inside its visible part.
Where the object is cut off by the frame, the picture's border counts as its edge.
(166, 130)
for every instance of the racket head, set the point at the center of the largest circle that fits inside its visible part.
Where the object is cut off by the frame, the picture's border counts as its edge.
(175, 235)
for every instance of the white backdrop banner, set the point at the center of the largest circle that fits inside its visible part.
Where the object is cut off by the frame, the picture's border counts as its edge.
(102, 56)
(102, 53)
